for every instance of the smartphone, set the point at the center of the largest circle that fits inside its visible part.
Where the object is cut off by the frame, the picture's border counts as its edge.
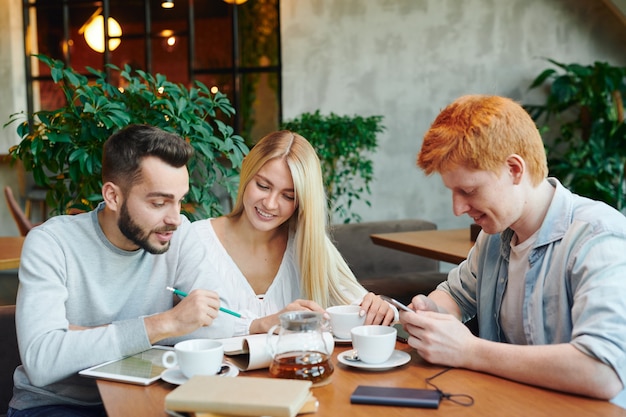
(396, 303)
(403, 335)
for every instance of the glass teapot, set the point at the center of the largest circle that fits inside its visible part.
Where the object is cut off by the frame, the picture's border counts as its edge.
(302, 349)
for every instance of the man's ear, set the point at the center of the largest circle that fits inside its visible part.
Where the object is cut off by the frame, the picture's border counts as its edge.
(112, 195)
(517, 167)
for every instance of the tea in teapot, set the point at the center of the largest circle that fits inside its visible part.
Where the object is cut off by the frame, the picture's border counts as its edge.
(301, 350)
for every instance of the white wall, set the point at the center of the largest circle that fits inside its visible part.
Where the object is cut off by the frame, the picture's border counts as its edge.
(407, 59)
(12, 78)
(13, 91)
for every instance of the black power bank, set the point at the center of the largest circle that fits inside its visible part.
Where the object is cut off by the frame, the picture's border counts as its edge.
(400, 397)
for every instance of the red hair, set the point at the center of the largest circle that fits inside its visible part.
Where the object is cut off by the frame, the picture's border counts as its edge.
(479, 132)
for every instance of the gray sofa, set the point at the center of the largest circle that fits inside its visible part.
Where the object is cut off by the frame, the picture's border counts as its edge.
(387, 271)
(9, 355)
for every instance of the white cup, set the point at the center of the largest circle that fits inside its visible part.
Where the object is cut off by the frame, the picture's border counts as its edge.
(196, 357)
(343, 319)
(374, 343)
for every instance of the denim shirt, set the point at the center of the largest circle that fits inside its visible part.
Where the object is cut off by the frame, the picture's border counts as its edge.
(575, 288)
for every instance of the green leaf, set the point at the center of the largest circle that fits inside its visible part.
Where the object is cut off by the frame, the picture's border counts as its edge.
(63, 147)
(541, 78)
(344, 145)
(583, 128)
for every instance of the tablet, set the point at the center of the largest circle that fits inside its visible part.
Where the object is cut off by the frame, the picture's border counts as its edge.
(143, 368)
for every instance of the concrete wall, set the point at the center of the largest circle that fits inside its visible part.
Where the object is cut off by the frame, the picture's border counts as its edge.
(12, 78)
(403, 59)
(13, 90)
(407, 59)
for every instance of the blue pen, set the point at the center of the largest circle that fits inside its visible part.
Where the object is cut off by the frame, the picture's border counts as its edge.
(184, 294)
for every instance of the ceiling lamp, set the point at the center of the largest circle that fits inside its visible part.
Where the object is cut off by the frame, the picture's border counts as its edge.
(93, 30)
(235, 1)
(167, 4)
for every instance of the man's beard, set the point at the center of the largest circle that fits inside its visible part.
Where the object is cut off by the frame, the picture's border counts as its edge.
(134, 233)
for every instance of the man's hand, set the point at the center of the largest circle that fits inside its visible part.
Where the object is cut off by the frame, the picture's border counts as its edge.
(438, 338)
(422, 303)
(76, 327)
(197, 310)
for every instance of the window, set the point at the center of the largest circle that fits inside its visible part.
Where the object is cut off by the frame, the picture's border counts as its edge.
(235, 48)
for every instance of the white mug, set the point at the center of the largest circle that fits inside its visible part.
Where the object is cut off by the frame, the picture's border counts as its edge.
(374, 343)
(343, 319)
(196, 357)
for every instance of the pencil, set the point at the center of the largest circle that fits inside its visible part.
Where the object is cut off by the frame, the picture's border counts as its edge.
(184, 294)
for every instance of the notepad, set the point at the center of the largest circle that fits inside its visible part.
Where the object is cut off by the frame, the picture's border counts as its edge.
(244, 396)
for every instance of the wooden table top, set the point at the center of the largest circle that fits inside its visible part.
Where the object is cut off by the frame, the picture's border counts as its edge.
(10, 251)
(492, 395)
(443, 245)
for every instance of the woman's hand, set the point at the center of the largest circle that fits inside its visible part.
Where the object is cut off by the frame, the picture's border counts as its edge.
(263, 324)
(377, 310)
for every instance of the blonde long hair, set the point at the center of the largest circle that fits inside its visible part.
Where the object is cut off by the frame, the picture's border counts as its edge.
(325, 276)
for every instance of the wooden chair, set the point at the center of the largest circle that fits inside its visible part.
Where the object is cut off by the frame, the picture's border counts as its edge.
(36, 195)
(23, 223)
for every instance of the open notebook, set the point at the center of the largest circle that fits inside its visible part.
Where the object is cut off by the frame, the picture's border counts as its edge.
(252, 352)
(248, 352)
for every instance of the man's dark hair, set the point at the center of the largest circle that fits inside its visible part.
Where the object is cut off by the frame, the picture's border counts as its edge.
(125, 149)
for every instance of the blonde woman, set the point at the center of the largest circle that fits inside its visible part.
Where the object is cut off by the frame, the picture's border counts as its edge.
(273, 248)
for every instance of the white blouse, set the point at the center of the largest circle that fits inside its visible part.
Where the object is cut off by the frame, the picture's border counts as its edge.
(239, 295)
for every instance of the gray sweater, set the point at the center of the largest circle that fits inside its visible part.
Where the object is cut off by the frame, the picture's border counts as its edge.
(71, 274)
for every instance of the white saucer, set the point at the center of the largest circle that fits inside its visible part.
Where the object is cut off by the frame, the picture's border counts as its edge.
(398, 358)
(175, 376)
(341, 341)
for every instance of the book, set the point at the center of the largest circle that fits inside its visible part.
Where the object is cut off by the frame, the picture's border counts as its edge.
(246, 396)
(309, 406)
(401, 397)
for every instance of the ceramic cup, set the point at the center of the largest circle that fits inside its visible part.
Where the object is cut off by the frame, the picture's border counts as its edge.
(196, 357)
(374, 344)
(343, 319)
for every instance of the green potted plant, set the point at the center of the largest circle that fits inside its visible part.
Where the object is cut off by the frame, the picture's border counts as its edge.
(344, 145)
(587, 148)
(63, 147)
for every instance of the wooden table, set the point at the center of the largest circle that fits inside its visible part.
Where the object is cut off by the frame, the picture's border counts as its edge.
(443, 245)
(492, 395)
(10, 251)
